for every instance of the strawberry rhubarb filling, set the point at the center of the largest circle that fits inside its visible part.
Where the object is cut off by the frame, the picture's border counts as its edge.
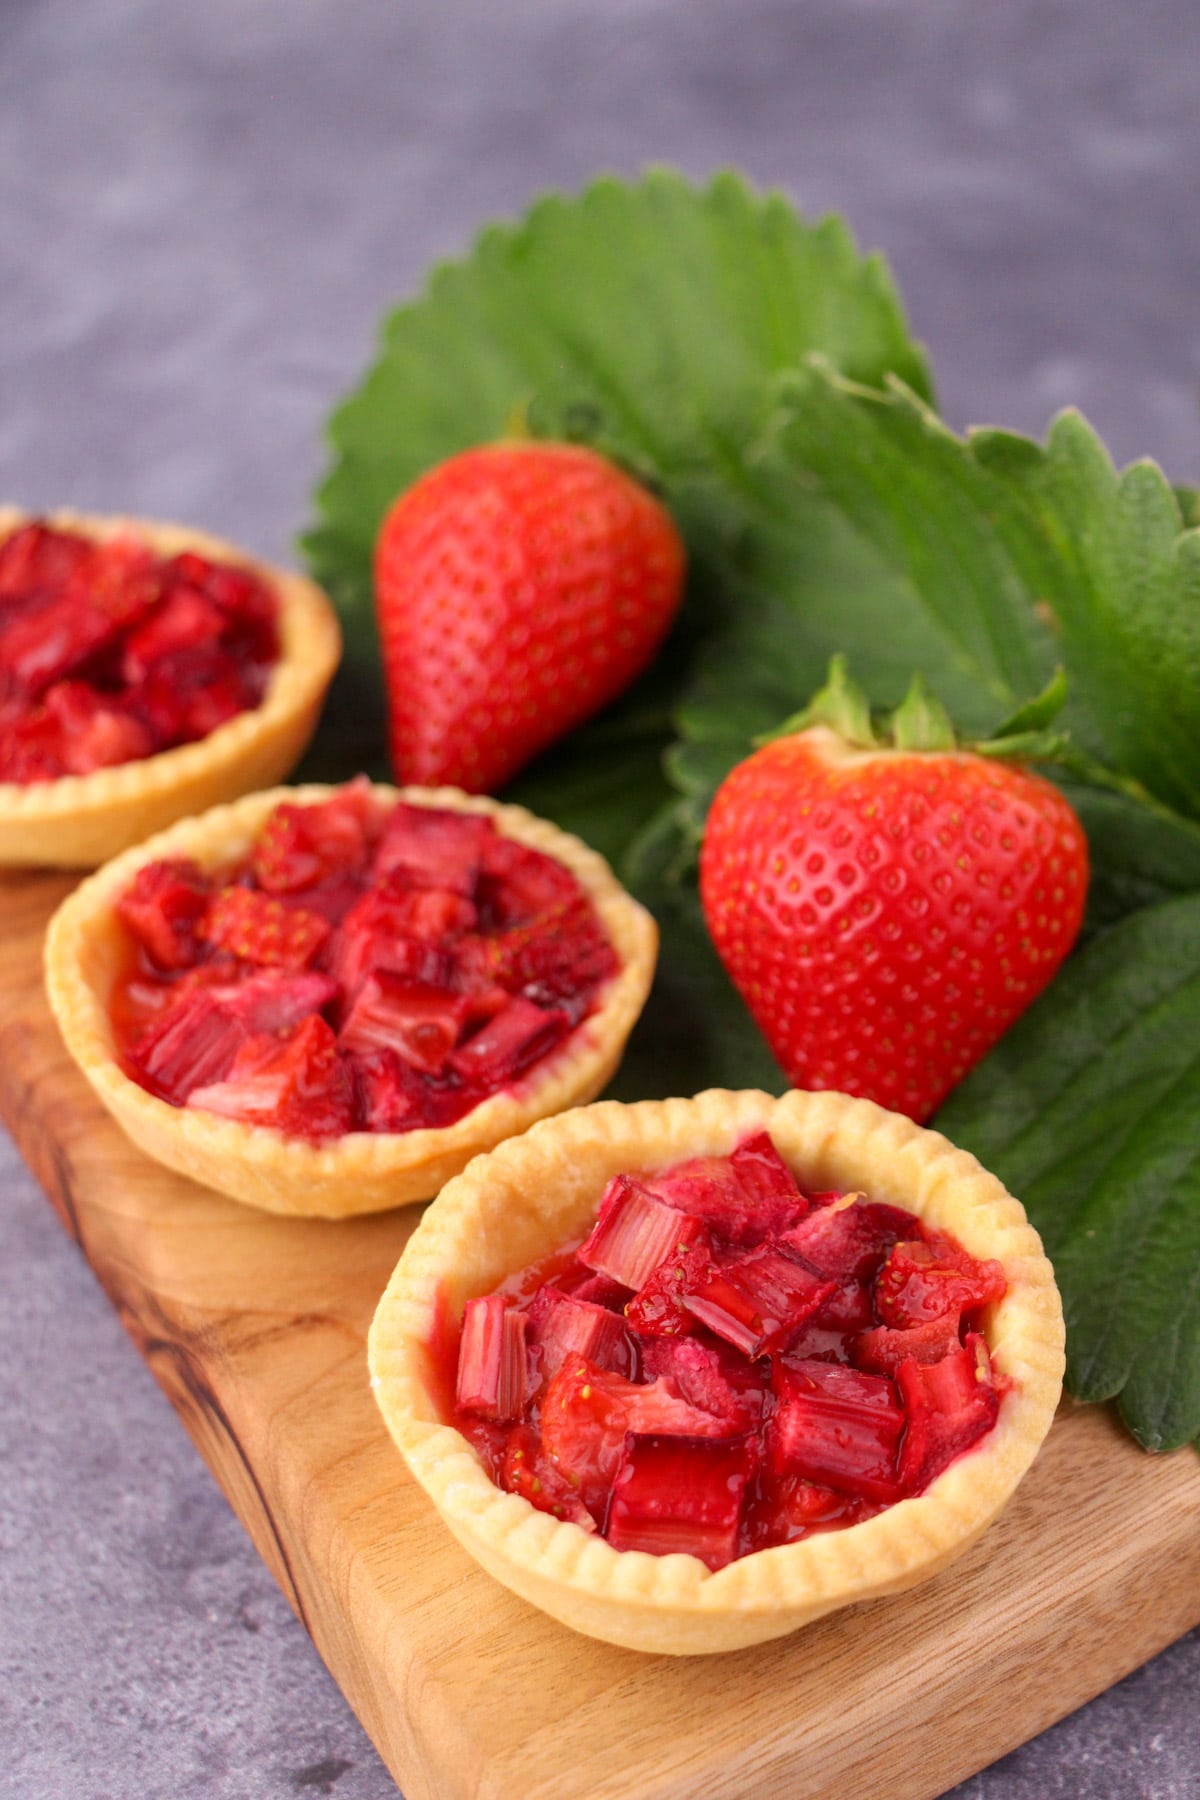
(110, 653)
(726, 1363)
(367, 967)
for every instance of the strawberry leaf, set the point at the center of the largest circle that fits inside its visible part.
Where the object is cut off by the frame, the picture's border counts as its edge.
(1087, 1110)
(648, 316)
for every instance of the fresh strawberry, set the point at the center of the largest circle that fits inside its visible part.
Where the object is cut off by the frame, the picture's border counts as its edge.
(520, 588)
(887, 910)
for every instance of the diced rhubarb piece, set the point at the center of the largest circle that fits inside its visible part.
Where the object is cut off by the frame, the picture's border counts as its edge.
(759, 1302)
(182, 621)
(492, 1359)
(586, 1412)
(680, 1494)
(884, 1348)
(395, 1097)
(239, 592)
(743, 1202)
(31, 745)
(921, 1282)
(371, 937)
(716, 1380)
(162, 908)
(634, 1234)
(420, 1024)
(950, 1405)
(509, 1043)
(259, 929)
(658, 1308)
(849, 1237)
(298, 1085)
(838, 1428)
(431, 848)
(560, 1325)
(528, 1471)
(276, 1002)
(769, 1182)
(300, 846)
(601, 1290)
(191, 1045)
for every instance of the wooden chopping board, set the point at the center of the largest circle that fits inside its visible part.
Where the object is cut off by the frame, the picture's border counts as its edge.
(256, 1328)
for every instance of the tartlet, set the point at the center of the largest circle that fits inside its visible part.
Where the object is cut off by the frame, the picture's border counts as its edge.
(88, 949)
(526, 1199)
(79, 820)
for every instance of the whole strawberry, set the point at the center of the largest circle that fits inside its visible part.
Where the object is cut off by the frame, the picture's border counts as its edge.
(887, 910)
(519, 588)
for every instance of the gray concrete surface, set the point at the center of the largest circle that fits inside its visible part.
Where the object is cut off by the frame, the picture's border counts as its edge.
(203, 211)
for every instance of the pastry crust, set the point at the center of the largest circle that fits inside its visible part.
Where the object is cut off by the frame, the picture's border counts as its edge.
(363, 1171)
(535, 1192)
(81, 820)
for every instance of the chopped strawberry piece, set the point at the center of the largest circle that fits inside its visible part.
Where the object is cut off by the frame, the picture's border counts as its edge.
(838, 1428)
(586, 1412)
(45, 643)
(492, 1377)
(36, 558)
(759, 1302)
(506, 1046)
(191, 1045)
(189, 693)
(557, 957)
(658, 1308)
(394, 1096)
(921, 1282)
(744, 1202)
(950, 1405)
(680, 1494)
(635, 1234)
(714, 1379)
(794, 1507)
(528, 1471)
(97, 732)
(163, 909)
(298, 1084)
(258, 929)
(432, 848)
(300, 846)
(31, 745)
(184, 620)
(519, 883)
(601, 1290)
(420, 1024)
(432, 914)
(562, 1325)
(884, 1348)
(849, 1237)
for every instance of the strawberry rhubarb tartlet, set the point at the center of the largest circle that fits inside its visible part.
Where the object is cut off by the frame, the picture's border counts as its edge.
(146, 672)
(689, 1374)
(326, 1001)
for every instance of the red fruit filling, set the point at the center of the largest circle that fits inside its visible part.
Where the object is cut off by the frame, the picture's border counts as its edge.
(726, 1364)
(341, 976)
(109, 653)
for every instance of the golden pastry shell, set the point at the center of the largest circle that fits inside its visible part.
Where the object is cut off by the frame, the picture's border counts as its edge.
(78, 821)
(87, 946)
(536, 1192)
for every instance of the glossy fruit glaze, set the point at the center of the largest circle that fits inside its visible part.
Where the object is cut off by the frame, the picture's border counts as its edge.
(110, 653)
(725, 1363)
(369, 966)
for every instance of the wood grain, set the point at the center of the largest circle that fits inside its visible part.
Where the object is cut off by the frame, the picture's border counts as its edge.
(256, 1326)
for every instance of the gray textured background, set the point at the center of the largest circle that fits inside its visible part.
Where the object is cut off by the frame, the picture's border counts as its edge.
(203, 211)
